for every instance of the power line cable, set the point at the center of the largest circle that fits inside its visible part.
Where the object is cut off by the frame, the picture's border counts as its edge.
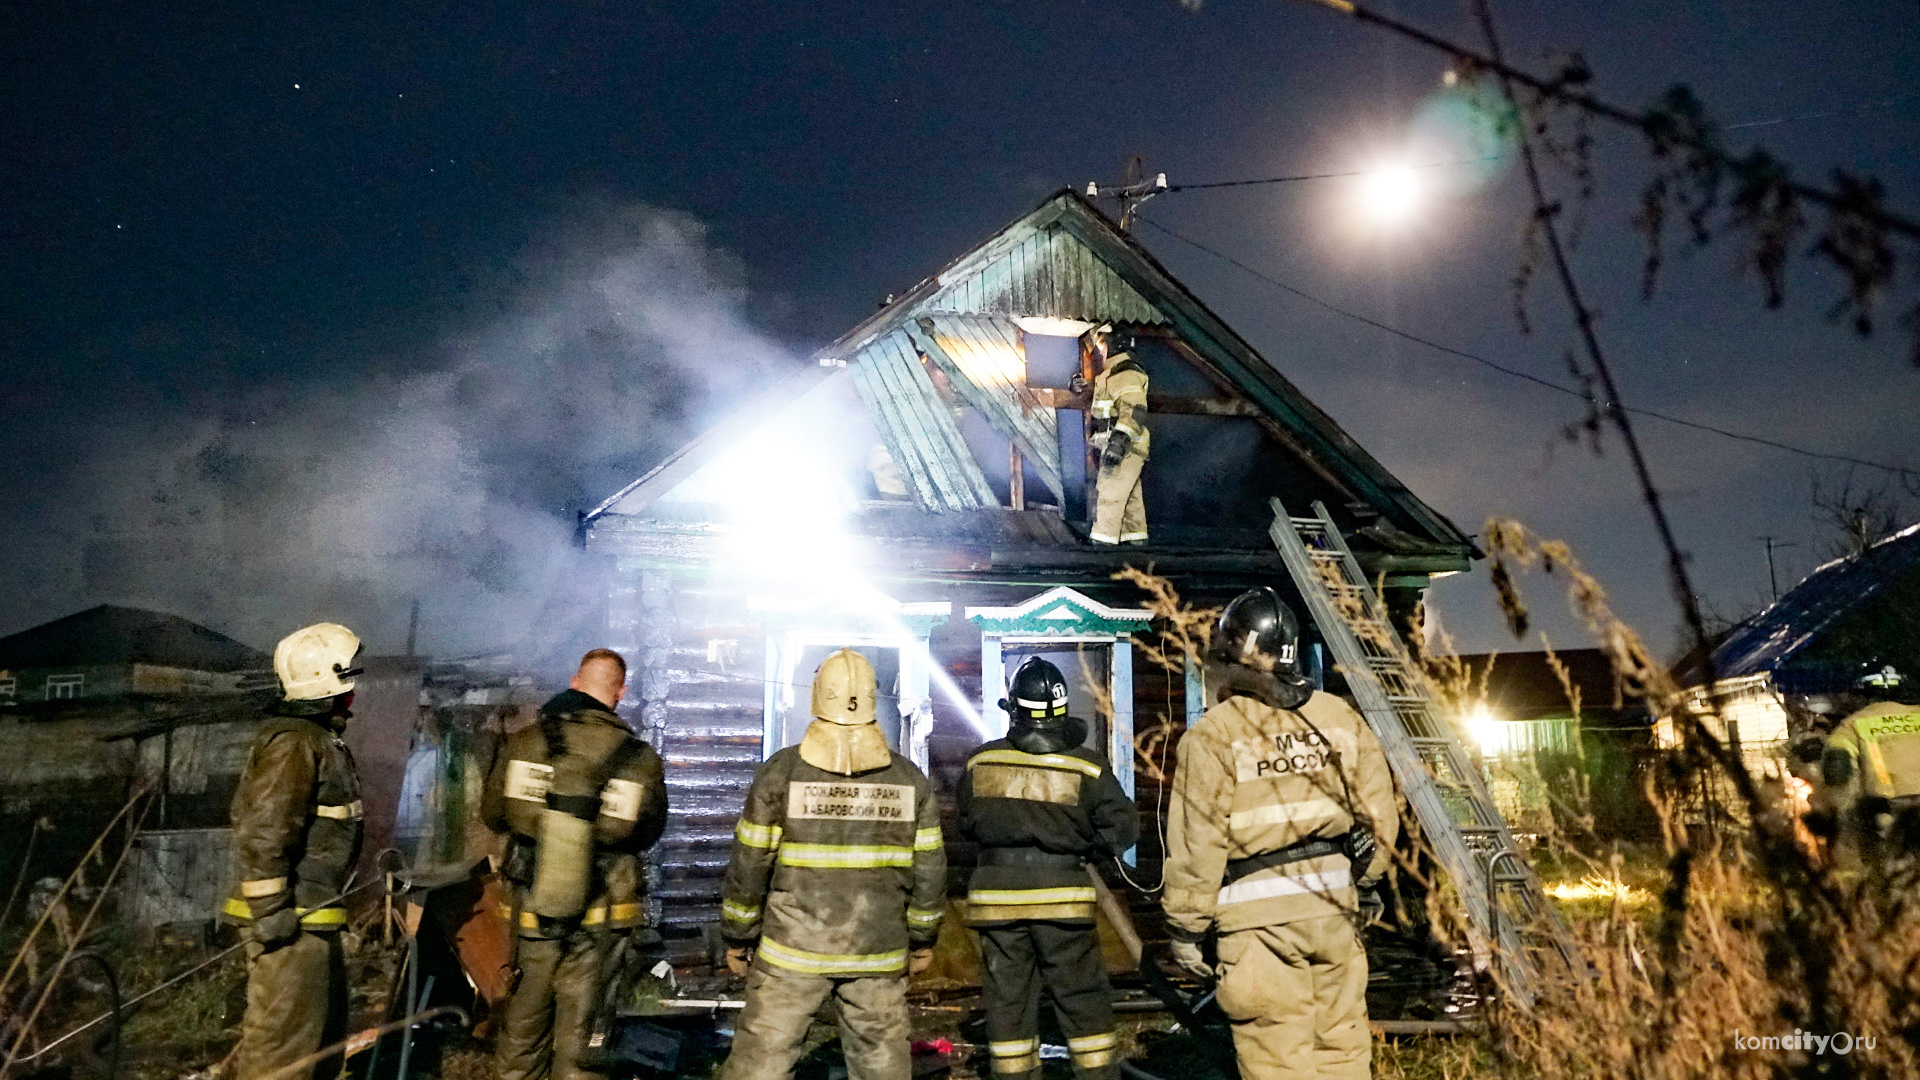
(1518, 374)
(1868, 107)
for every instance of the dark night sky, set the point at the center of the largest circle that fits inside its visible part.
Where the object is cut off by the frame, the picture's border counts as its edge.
(305, 313)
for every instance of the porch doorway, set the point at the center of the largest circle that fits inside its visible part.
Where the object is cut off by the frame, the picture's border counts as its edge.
(797, 705)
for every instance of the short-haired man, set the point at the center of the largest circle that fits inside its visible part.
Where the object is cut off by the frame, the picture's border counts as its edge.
(580, 797)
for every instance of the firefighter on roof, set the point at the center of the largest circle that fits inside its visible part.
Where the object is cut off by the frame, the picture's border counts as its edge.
(1282, 805)
(296, 835)
(580, 798)
(836, 887)
(1120, 432)
(1041, 806)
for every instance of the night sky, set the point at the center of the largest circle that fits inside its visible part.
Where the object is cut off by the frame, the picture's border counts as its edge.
(309, 313)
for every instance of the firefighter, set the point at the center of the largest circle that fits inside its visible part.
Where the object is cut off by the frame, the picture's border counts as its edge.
(296, 835)
(835, 889)
(1120, 433)
(1041, 806)
(580, 798)
(1282, 805)
(1869, 768)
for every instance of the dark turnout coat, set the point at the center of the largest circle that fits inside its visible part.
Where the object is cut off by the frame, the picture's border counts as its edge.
(1038, 819)
(582, 758)
(296, 820)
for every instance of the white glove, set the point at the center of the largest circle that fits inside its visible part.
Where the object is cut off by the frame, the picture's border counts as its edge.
(1187, 954)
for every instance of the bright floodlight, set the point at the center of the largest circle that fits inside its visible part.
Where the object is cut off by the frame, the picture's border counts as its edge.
(1486, 730)
(1390, 196)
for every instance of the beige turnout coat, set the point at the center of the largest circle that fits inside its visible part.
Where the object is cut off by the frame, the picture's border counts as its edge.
(1253, 779)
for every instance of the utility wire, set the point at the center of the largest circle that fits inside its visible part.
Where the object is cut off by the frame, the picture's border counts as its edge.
(1868, 107)
(1322, 176)
(1518, 374)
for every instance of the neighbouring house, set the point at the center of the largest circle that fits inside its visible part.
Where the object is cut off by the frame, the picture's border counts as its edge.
(921, 493)
(112, 701)
(1556, 735)
(1788, 670)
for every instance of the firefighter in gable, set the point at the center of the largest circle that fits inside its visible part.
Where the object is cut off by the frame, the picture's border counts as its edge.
(296, 836)
(1041, 806)
(1120, 432)
(836, 887)
(580, 797)
(1283, 807)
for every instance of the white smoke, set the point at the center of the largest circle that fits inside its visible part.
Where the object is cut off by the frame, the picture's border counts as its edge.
(624, 333)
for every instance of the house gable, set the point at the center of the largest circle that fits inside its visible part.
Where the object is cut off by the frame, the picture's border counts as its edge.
(953, 343)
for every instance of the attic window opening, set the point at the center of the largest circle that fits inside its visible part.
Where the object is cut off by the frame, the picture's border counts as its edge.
(60, 687)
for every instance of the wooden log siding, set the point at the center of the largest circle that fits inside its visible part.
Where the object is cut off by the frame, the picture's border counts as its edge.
(702, 710)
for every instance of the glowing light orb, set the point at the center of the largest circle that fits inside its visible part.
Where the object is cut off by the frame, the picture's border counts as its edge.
(1487, 731)
(1391, 196)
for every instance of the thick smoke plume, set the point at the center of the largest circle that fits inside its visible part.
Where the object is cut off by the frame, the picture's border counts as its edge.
(621, 334)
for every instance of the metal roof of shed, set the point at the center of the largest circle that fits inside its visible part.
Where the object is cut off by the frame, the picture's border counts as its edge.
(1772, 638)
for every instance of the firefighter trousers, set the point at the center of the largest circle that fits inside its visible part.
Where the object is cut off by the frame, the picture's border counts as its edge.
(1297, 996)
(1120, 510)
(296, 1004)
(1063, 959)
(543, 1025)
(772, 1029)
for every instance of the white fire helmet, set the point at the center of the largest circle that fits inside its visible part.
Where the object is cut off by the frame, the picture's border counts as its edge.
(316, 662)
(843, 689)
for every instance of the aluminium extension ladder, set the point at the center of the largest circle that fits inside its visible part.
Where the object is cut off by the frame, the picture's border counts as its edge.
(1509, 918)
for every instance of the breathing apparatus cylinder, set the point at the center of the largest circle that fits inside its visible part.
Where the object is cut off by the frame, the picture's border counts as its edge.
(563, 872)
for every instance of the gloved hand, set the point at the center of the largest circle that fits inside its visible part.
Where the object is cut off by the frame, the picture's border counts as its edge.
(739, 958)
(275, 929)
(1188, 955)
(1118, 443)
(1078, 383)
(1373, 906)
(919, 960)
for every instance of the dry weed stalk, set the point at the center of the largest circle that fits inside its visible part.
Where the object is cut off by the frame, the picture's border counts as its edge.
(1755, 938)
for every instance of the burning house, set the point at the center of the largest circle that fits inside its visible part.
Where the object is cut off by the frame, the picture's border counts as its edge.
(923, 493)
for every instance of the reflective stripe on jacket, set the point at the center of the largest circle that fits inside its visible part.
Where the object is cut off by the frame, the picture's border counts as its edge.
(836, 875)
(1037, 817)
(1253, 779)
(296, 820)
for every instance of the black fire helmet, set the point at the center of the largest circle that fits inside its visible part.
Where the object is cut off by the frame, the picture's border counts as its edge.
(1038, 692)
(1258, 624)
(1036, 705)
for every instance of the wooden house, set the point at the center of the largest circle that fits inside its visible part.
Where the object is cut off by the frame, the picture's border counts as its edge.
(921, 492)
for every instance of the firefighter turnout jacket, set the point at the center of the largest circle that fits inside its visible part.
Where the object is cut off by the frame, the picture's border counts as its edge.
(1120, 402)
(836, 875)
(581, 797)
(1263, 799)
(1037, 819)
(296, 819)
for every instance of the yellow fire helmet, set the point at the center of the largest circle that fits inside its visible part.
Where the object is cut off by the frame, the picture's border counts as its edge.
(843, 689)
(317, 662)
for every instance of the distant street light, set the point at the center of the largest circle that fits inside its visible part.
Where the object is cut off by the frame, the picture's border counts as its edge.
(1390, 196)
